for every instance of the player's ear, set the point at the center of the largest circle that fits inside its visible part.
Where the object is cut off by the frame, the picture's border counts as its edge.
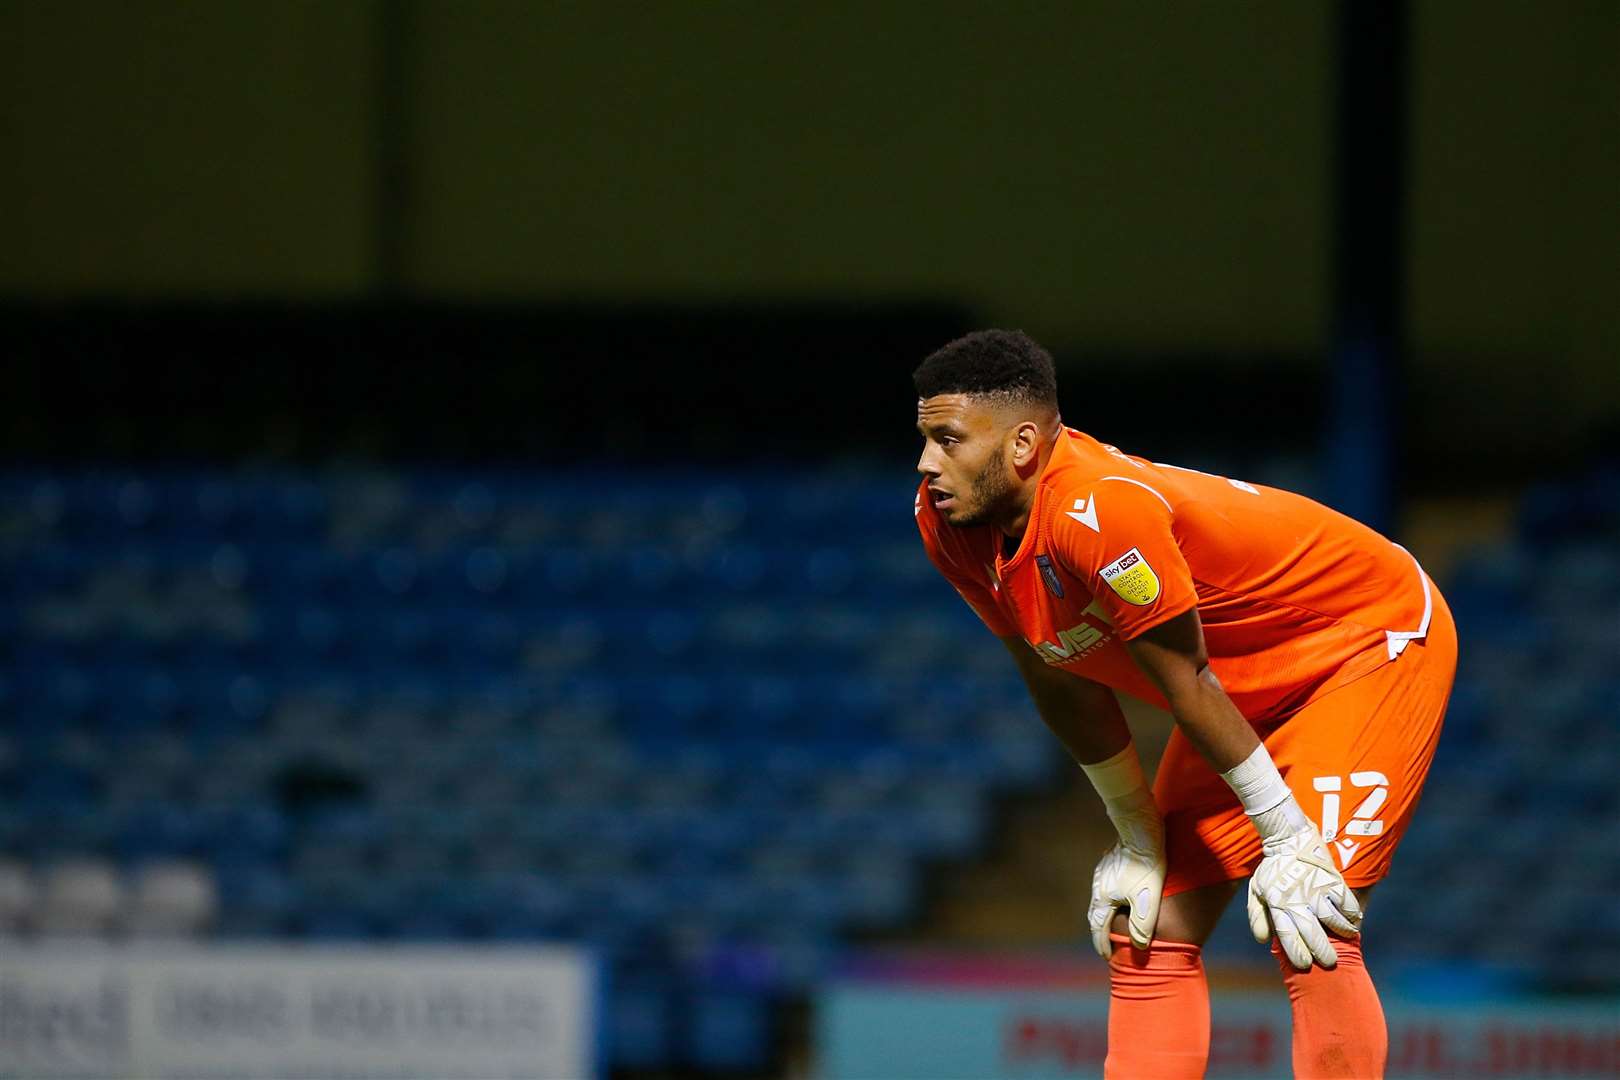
(1026, 443)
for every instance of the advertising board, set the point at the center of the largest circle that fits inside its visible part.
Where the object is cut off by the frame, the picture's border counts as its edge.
(971, 1019)
(232, 1012)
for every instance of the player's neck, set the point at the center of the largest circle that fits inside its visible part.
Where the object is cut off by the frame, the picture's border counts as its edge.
(1028, 485)
(1012, 532)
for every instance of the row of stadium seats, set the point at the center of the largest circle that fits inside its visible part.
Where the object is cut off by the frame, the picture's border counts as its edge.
(426, 512)
(105, 581)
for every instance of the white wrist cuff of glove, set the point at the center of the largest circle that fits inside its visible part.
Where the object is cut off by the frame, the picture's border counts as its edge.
(1119, 777)
(1265, 798)
(1128, 800)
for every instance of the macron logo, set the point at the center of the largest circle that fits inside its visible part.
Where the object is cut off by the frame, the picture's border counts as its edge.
(1085, 512)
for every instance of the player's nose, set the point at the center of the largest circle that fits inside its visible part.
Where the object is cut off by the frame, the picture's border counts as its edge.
(925, 463)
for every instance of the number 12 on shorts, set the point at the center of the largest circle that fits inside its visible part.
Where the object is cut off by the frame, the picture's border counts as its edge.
(1363, 819)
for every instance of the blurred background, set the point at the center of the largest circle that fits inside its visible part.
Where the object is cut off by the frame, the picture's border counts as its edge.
(458, 472)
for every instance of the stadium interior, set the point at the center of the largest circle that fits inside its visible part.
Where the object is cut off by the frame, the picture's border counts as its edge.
(456, 474)
(685, 720)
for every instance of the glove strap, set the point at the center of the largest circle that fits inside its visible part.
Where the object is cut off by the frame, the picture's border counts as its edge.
(1265, 798)
(1117, 777)
(1128, 800)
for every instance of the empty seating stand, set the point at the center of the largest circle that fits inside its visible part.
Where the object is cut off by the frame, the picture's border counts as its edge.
(681, 719)
(709, 724)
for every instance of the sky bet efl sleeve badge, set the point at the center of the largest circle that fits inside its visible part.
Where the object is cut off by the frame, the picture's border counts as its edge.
(1132, 578)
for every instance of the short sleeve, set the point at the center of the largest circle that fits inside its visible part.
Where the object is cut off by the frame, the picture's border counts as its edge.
(1120, 539)
(950, 558)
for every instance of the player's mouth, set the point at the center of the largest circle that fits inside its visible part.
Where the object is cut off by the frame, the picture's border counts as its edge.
(942, 499)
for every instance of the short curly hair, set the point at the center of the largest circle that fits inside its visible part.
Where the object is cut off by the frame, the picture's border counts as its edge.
(1005, 364)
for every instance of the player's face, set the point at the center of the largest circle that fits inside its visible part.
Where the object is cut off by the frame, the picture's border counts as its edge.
(965, 448)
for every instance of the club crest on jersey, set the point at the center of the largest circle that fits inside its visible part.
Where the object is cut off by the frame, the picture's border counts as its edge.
(1132, 578)
(1049, 575)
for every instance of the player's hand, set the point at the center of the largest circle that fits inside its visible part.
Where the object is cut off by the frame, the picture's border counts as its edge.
(1131, 874)
(1296, 890)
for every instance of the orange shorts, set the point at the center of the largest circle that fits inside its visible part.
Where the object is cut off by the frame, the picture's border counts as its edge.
(1355, 759)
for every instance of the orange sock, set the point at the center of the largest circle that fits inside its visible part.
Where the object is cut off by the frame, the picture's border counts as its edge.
(1338, 1021)
(1158, 1012)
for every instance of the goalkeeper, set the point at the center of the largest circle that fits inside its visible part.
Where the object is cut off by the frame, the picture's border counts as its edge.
(1306, 659)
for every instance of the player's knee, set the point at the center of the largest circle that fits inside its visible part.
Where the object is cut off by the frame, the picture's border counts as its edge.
(1188, 918)
(1168, 932)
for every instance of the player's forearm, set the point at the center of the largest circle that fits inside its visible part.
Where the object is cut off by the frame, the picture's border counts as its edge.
(1088, 721)
(1173, 657)
(1226, 740)
(1091, 728)
(1087, 737)
(1084, 715)
(1210, 721)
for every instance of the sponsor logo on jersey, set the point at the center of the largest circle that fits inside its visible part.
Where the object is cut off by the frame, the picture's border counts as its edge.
(1132, 578)
(1071, 644)
(1079, 640)
(1049, 575)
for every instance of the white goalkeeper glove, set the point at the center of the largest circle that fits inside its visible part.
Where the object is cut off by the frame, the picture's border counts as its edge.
(1296, 890)
(1131, 874)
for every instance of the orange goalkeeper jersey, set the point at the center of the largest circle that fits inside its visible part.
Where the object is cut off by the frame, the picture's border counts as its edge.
(1296, 599)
